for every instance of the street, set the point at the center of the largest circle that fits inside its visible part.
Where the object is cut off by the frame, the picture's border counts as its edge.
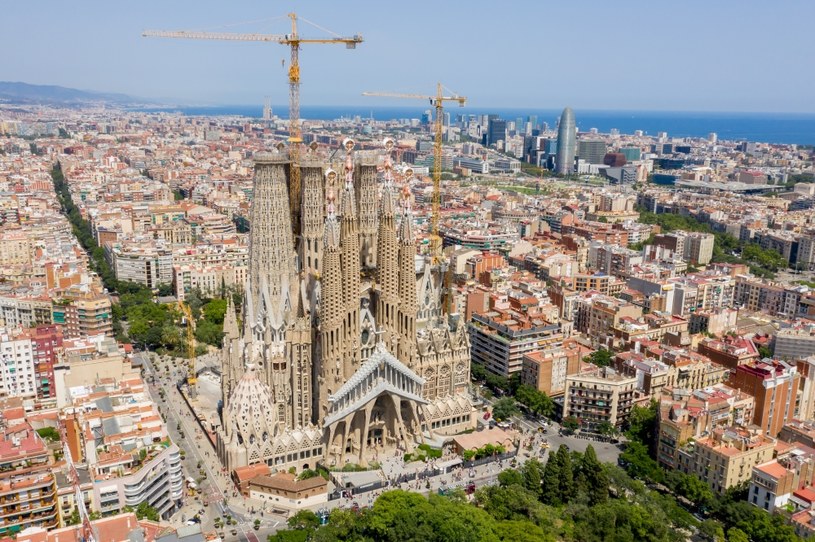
(218, 498)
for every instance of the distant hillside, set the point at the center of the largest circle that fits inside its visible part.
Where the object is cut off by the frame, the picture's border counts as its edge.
(24, 93)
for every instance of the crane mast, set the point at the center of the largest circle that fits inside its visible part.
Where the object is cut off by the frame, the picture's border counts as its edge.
(189, 340)
(294, 41)
(437, 101)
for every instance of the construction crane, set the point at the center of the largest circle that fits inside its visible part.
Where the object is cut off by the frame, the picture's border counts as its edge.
(190, 343)
(437, 102)
(294, 41)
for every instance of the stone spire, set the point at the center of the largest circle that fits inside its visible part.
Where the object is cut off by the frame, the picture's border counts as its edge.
(272, 282)
(407, 284)
(365, 179)
(231, 353)
(332, 311)
(387, 276)
(231, 330)
(248, 420)
(349, 248)
(312, 216)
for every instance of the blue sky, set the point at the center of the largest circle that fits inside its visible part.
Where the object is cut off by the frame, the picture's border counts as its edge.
(699, 55)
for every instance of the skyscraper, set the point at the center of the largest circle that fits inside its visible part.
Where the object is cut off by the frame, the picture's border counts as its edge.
(566, 141)
(591, 150)
(496, 131)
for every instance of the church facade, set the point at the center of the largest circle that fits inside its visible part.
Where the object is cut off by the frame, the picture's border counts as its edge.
(343, 351)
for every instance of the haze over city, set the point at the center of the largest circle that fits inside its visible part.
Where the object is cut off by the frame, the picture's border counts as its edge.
(634, 55)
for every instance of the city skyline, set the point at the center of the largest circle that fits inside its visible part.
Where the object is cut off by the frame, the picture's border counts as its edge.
(712, 68)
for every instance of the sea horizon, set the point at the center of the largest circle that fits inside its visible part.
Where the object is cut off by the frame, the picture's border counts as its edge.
(763, 127)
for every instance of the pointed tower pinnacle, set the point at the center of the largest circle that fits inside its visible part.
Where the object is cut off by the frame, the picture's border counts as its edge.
(329, 371)
(349, 248)
(387, 276)
(407, 284)
(231, 329)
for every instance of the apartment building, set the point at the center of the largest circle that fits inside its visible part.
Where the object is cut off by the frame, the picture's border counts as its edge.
(650, 327)
(47, 348)
(694, 247)
(685, 415)
(676, 369)
(17, 372)
(119, 528)
(599, 315)
(208, 279)
(613, 259)
(795, 343)
(800, 431)
(773, 483)
(758, 295)
(715, 321)
(24, 312)
(599, 395)
(546, 370)
(729, 351)
(499, 339)
(15, 248)
(774, 385)
(597, 282)
(118, 431)
(726, 457)
(147, 263)
(83, 314)
(27, 485)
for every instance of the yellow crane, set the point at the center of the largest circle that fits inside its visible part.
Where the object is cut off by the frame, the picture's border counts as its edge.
(187, 319)
(294, 41)
(437, 102)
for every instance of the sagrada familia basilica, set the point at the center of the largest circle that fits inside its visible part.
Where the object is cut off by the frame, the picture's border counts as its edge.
(344, 351)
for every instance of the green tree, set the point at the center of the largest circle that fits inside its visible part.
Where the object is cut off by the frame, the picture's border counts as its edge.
(642, 424)
(456, 521)
(209, 333)
(712, 530)
(600, 357)
(620, 520)
(74, 518)
(49, 433)
(522, 531)
(639, 464)
(304, 519)
(510, 477)
(550, 486)
(145, 511)
(606, 428)
(504, 408)
(165, 289)
(508, 502)
(570, 423)
(592, 476)
(215, 310)
(537, 401)
(397, 515)
(691, 488)
(477, 372)
(734, 534)
(532, 472)
(566, 487)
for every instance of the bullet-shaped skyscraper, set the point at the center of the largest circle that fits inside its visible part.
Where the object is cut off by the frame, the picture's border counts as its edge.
(566, 143)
